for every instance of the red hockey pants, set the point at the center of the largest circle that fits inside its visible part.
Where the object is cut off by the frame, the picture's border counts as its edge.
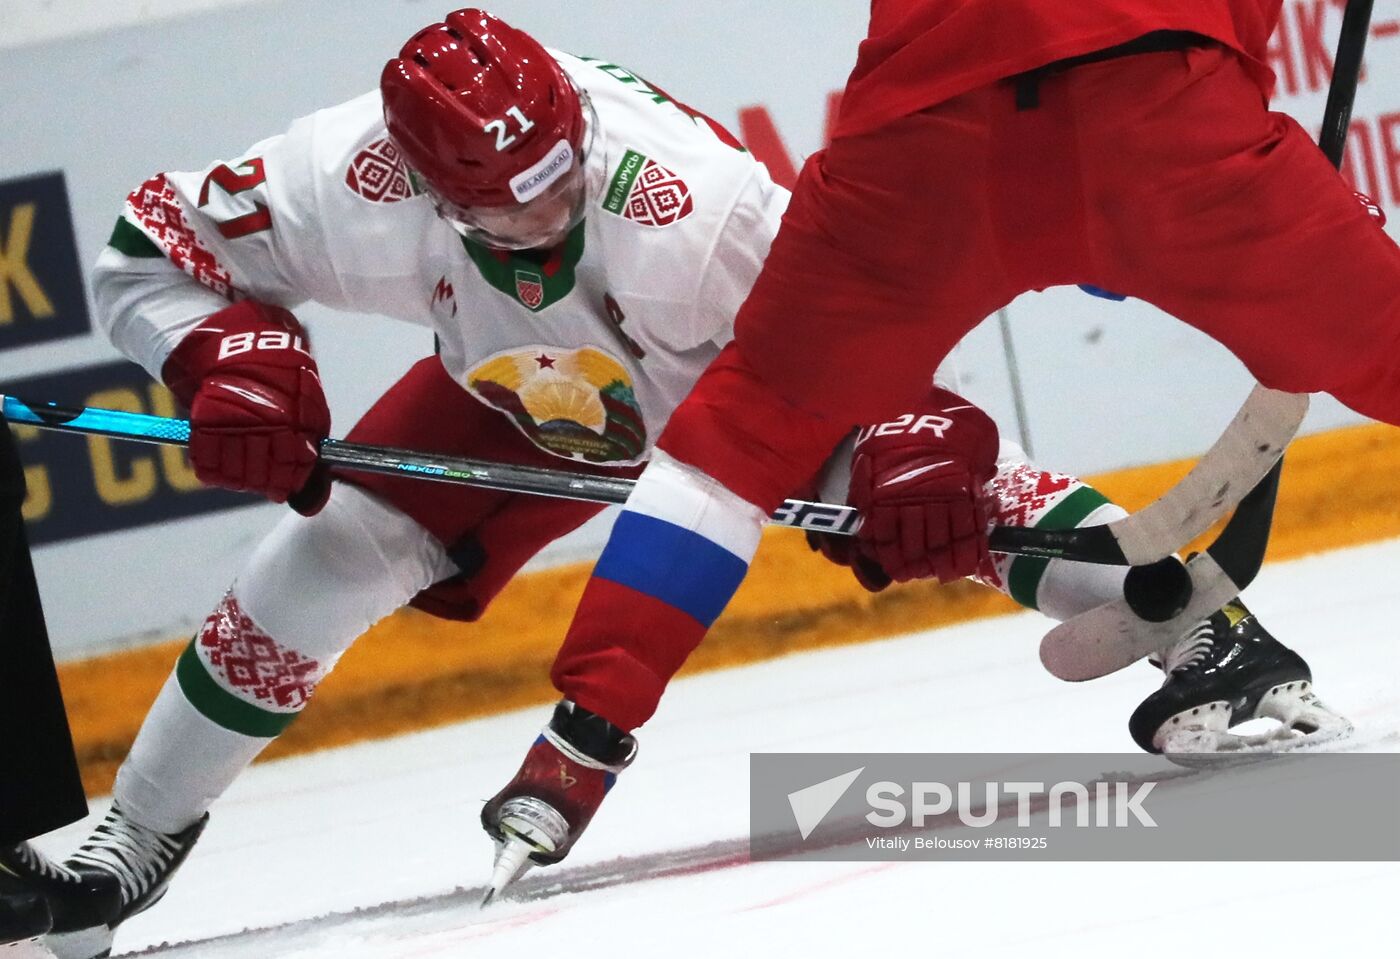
(1160, 175)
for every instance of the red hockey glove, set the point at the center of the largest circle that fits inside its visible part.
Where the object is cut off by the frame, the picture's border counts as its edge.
(845, 551)
(257, 412)
(918, 482)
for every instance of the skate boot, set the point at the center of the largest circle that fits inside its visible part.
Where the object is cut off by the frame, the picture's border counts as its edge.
(1226, 671)
(70, 900)
(24, 912)
(122, 869)
(540, 814)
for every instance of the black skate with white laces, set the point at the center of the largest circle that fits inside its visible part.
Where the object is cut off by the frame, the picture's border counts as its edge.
(122, 869)
(24, 915)
(1227, 671)
(69, 900)
(540, 814)
(24, 911)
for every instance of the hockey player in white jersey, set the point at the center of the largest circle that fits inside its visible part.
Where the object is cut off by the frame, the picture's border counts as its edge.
(579, 243)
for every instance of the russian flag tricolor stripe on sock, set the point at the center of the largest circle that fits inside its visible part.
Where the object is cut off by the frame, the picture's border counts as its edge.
(683, 539)
(683, 496)
(676, 555)
(679, 567)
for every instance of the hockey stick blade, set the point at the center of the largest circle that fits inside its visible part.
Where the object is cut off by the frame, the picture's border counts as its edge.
(1234, 465)
(1112, 636)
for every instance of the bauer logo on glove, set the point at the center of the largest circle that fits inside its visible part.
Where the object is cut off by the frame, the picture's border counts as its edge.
(908, 423)
(237, 343)
(257, 410)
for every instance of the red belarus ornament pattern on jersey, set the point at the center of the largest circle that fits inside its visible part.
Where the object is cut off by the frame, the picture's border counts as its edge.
(658, 197)
(156, 207)
(1019, 496)
(1022, 494)
(378, 173)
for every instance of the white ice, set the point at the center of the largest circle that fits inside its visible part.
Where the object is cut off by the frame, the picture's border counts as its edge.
(298, 845)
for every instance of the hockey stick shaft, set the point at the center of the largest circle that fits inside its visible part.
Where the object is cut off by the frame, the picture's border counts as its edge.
(1155, 531)
(50, 792)
(142, 427)
(1341, 95)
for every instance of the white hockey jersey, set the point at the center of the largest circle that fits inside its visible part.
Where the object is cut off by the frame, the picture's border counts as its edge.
(588, 350)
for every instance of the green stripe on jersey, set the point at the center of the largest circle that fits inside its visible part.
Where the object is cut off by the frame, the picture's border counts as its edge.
(1023, 579)
(222, 707)
(130, 240)
(534, 280)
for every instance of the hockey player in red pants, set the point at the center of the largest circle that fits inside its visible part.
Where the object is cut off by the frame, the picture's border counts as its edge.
(984, 148)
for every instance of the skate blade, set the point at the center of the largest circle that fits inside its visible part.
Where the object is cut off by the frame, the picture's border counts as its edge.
(94, 943)
(1297, 707)
(512, 862)
(26, 949)
(1257, 748)
(1203, 738)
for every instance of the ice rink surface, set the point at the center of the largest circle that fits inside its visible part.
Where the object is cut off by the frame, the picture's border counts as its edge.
(375, 851)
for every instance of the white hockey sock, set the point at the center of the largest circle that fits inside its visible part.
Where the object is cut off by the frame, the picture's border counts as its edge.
(1068, 589)
(180, 763)
(312, 588)
(1026, 495)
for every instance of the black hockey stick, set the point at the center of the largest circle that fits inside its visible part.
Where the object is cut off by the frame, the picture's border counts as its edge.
(1163, 600)
(1237, 461)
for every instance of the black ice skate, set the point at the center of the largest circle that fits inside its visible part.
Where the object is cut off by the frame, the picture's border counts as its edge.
(541, 813)
(24, 912)
(1226, 671)
(70, 900)
(122, 869)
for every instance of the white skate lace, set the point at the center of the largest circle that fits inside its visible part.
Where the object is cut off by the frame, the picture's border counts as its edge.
(137, 856)
(1189, 649)
(37, 862)
(569, 750)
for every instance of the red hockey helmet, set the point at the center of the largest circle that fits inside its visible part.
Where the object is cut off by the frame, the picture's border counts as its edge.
(492, 125)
